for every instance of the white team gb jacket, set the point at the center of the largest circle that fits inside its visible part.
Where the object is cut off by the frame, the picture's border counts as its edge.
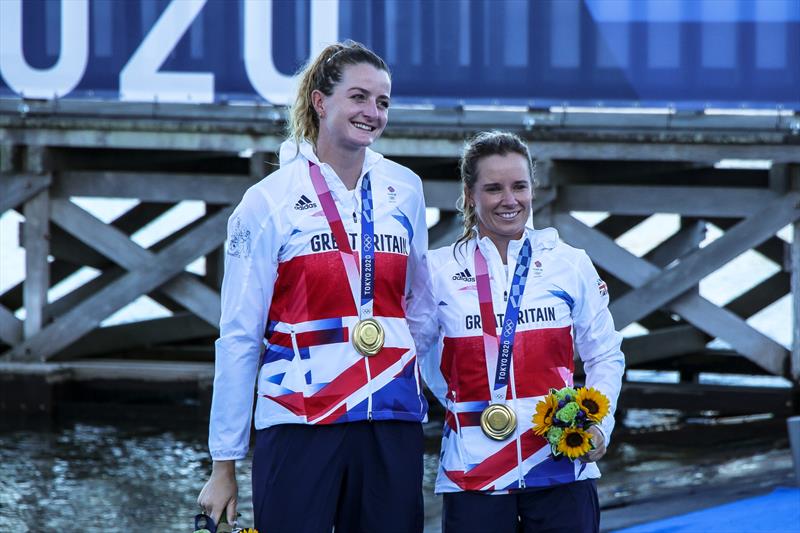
(565, 304)
(288, 311)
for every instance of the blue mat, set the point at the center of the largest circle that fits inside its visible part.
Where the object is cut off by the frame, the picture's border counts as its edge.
(778, 511)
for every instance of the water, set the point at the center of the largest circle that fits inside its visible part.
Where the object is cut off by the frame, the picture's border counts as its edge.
(120, 477)
(103, 478)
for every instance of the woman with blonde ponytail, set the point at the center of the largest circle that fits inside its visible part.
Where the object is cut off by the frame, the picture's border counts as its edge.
(325, 289)
(512, 303)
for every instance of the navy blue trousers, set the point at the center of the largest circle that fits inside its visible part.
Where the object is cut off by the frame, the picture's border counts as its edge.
(356, 476)
(567, 508)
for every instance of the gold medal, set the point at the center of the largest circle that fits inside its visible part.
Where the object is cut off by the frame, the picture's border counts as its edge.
(368, 337)
(498, 421)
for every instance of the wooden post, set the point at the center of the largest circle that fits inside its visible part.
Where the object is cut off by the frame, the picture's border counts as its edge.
(36, 237)
(10, 157)
(545, 187)
(215, 261)
(795, 283)
(696, 229)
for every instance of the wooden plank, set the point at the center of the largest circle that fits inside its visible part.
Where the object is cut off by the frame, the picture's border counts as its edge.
(126, 337)
(111, 272)
(18, 188)
(694, 267)
(676, 175)
(543, 198)
(775, 249)
(88, 314)
(543, 218)
(446, 231)
(65, 304)
(646, 200)
(676, 246)
(760, 296)
(129, 222)
(396, 142)
(114, 244)
(662, 344)
(67, 248)
(698, 311)
(153, 186)
(795, 284)
(441, 194)
(779, 178)
(544, 172)
(37, 270)
(151, 371)
(137, 136)
(714, 361)
(617, 225)
(10, 327)
(661, 319)
(642, 150)
(604, 252)
(254, 113)
(259, 166)
(10, 158)
(695, 397)
(722, 323)
(115, 370)
(59, 270)
(215, 261)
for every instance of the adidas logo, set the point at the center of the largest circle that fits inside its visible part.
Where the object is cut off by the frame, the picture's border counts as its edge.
(304, 203)
(466, 275)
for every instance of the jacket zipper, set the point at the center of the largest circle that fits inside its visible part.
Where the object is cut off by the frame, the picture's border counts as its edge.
(460, 439)
(516, 431)
(294, 342)
(514, 400)
(369, 390)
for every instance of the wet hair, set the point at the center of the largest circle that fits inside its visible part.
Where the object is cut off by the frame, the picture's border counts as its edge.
(323, 74)
(484, 144)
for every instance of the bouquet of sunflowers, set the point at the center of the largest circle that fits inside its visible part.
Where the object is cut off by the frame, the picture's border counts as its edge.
(564, 416)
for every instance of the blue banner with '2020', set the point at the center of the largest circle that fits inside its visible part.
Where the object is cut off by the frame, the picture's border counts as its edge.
(684, 53)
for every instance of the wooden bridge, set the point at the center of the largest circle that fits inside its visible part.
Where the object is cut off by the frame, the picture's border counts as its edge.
(630, 166)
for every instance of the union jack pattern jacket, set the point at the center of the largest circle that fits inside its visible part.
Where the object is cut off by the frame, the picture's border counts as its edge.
(288, 312)
(564, 305)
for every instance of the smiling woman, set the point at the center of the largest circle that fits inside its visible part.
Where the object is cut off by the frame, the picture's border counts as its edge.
(326, 260)
(501, 197)
(352, 117)
(497, 176)
(538, 298)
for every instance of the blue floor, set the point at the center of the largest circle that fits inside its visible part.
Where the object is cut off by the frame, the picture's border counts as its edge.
(778, 511)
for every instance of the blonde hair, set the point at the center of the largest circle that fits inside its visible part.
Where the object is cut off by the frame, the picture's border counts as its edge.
(322, 74)
(482, 145)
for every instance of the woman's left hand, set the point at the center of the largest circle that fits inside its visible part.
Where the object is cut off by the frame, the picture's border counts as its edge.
(599, 446)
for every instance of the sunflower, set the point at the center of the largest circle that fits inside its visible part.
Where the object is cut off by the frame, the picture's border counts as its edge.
(543, 418)
(593, 402)
(574, 442)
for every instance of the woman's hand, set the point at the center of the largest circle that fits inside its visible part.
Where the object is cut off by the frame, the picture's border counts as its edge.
(599, 446)
(220, 493)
